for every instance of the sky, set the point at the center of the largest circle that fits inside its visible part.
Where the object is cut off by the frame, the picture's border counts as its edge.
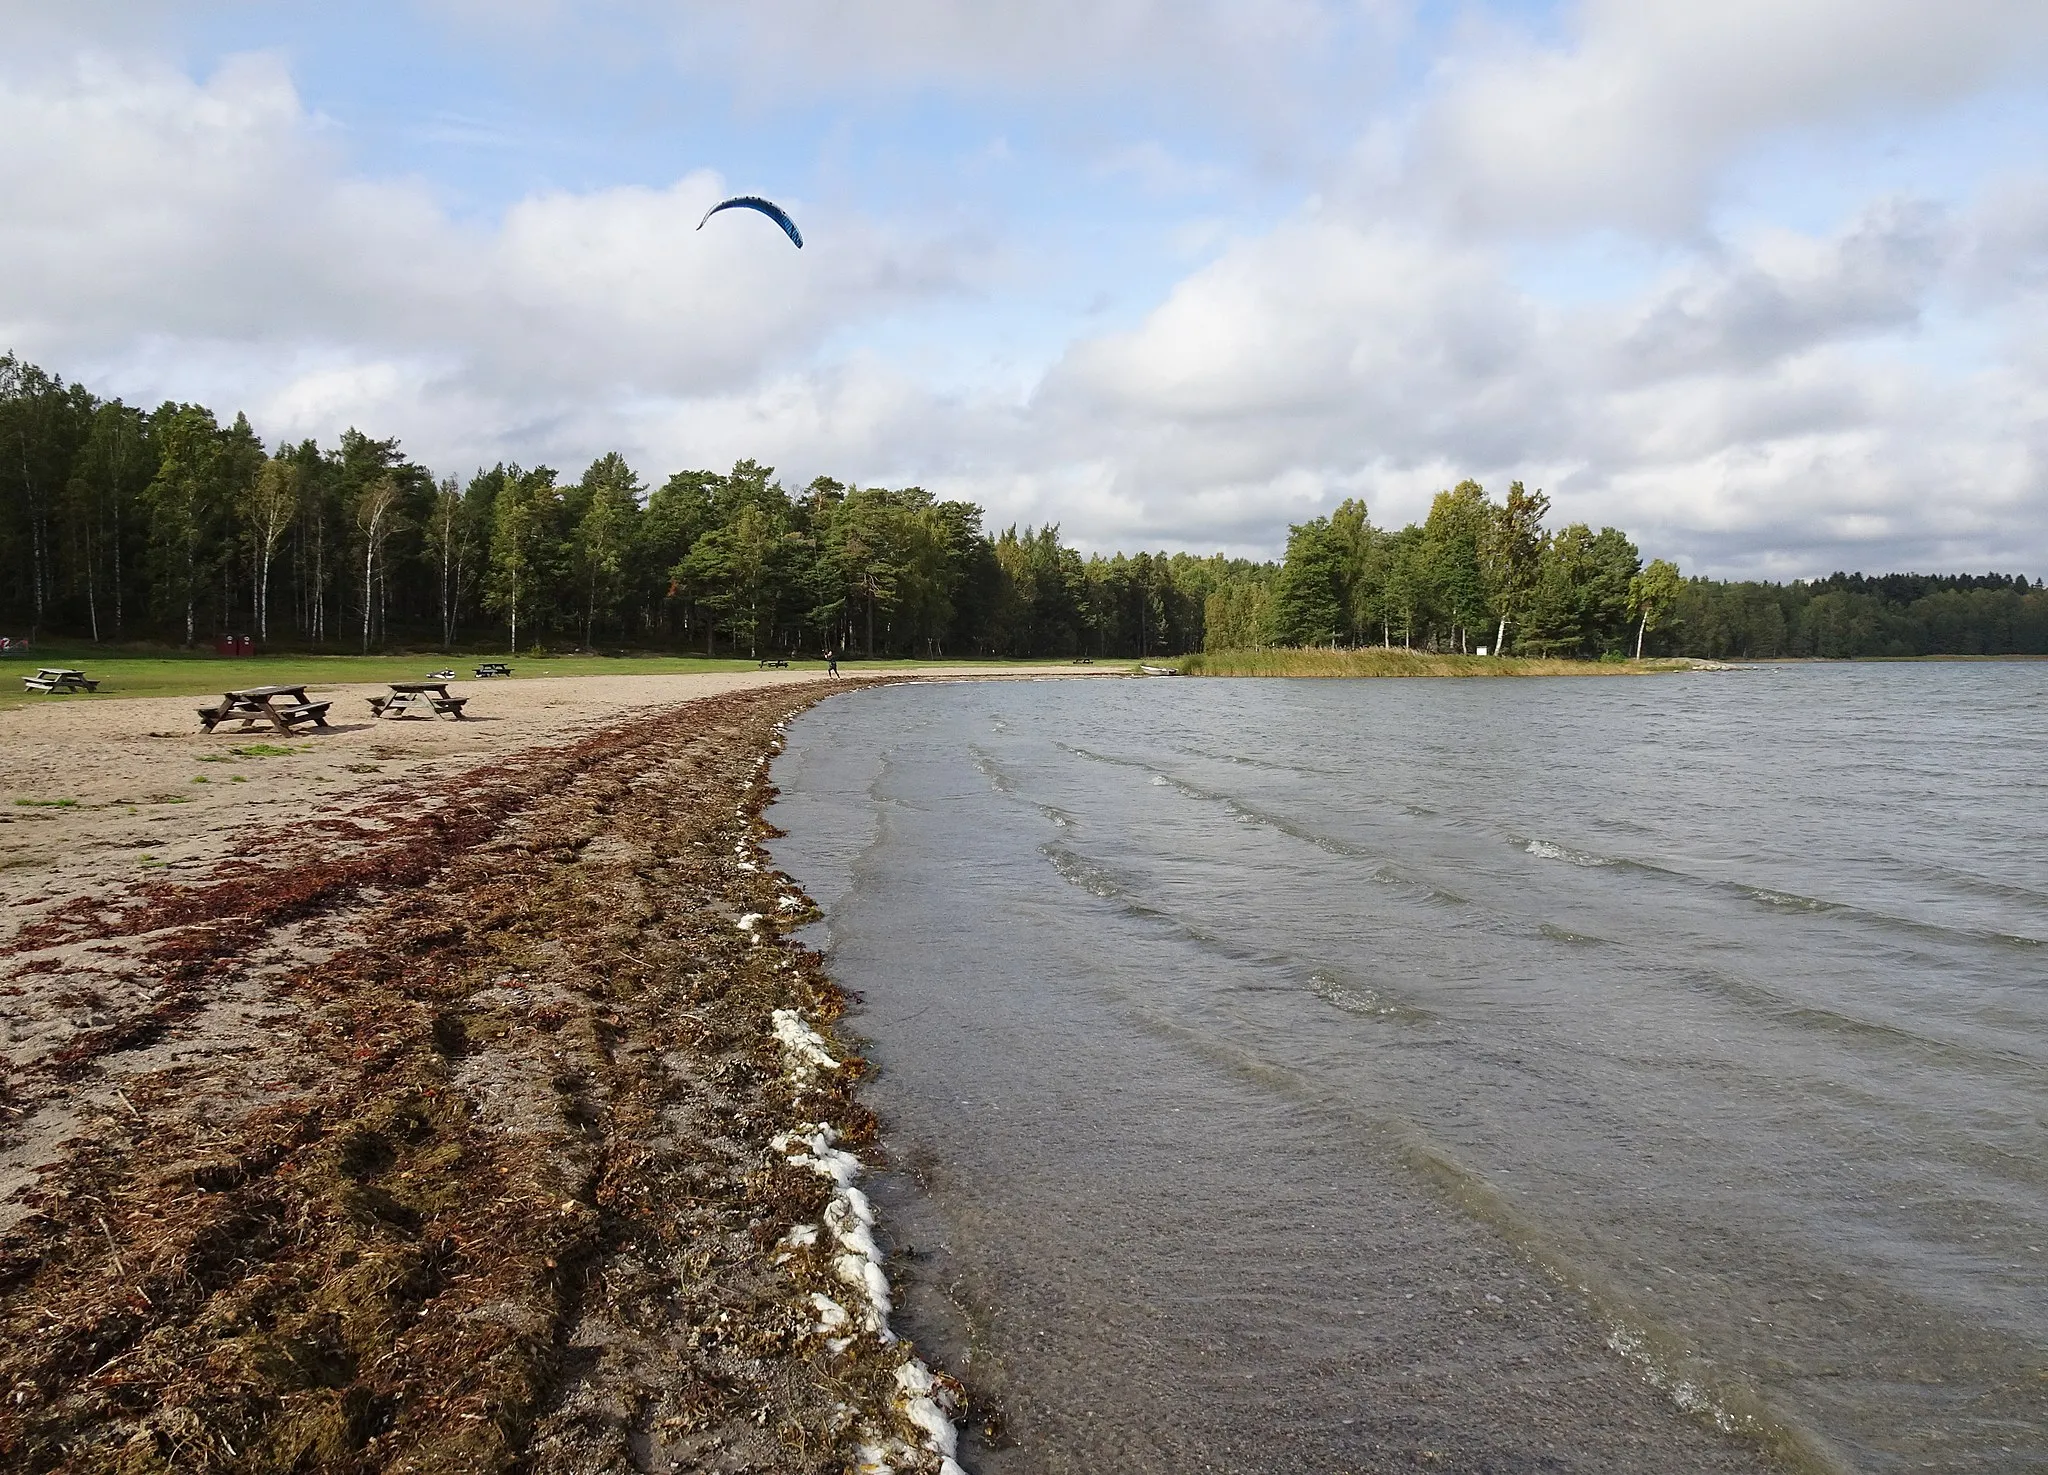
(1762, 282)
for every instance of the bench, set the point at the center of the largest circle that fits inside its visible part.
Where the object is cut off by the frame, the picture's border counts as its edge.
(492, 668)
(259, 705)
(58, 678)
(766, 664)
(423, 697)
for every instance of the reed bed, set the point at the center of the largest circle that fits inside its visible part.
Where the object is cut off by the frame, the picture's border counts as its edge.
(1377, 661)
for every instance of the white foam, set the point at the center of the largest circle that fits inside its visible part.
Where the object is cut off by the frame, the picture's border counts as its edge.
(1550, 850)
(805, 1045)
(924, 1401)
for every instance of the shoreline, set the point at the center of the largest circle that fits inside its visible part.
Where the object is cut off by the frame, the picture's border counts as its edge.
(480, 1116)
(471, 1121)
(1383, 662)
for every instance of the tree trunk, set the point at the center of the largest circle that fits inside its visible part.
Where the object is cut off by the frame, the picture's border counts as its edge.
(35, 537)
(1500, 637)
(117, 556)
(1642, 630)
(368, 554)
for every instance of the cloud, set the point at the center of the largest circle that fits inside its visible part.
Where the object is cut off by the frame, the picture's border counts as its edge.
(1791, 292)
(1631, 119)
(148, 206)
(1781, 397)
(837, 45)
(1756, 408)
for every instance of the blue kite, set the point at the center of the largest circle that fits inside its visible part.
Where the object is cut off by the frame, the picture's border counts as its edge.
(767, 207)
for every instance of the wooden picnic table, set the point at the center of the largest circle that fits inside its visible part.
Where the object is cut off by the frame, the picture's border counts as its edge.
(58, 678)
(492, 668)
(259, 704)
(427, 698)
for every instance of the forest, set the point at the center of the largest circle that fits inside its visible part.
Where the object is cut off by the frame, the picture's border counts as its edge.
(119, 524)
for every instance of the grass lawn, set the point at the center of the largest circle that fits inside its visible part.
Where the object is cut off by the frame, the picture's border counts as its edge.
(130, 673)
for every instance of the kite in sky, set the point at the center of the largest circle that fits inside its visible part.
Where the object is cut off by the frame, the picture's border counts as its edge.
(767, 207)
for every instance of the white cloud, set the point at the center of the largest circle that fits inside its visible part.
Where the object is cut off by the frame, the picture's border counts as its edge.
(146, 207)
(1782, 398)
(1630, 122)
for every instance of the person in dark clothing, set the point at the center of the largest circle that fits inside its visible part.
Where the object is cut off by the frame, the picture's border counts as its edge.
(831, 663)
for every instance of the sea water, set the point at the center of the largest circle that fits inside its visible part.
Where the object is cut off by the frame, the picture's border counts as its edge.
(1720, 1000)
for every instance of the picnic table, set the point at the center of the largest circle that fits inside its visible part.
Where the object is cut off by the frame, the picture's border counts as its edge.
(259, 704)
(492, 668)
(58, 678)
(427, 698)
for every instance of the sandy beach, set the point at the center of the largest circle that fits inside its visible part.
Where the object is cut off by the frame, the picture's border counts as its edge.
(429, 1095)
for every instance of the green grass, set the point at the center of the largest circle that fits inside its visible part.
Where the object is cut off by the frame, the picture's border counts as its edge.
(128, 672)
(47, 803)
(1372, 661)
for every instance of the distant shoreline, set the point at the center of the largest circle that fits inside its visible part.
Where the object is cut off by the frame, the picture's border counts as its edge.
(1379, 661)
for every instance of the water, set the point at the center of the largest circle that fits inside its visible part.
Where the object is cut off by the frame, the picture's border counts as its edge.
(1223, 1025)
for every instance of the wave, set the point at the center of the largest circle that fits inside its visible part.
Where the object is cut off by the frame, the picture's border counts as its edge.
(1788, 901)
(1663, 1356)
(1775, 899)
(1366, 1003)
(1561, 934)
(1551, 850)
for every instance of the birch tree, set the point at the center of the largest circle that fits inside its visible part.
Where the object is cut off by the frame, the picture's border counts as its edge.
(1511, 555)
(270, 505)
(1652, 594)
(376, 511)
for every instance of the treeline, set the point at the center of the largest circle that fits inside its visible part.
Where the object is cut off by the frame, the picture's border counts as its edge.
(1865, 615)
(118, 523)
(1474, 575)
(1475, 567)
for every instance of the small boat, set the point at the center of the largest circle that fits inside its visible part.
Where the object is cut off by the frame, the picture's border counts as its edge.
(1157, 671)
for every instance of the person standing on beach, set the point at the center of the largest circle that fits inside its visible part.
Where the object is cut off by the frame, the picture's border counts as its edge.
(831, 663)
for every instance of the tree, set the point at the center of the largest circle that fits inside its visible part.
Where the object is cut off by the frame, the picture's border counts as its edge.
(449, 541)
(270, 504)
(183, 504)
(867, 545)
(1406, 584)
(107, 475)
(604, 534)
(376, 510)
(41, 425)
(1449, 558)
(525, 547)
(1511, 555)
(1652, 595)
(1238, 616)
(1308, 596)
